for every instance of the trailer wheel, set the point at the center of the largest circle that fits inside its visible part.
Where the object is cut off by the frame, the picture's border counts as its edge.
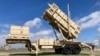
(58, 51)
(67, 50)
(76, 50)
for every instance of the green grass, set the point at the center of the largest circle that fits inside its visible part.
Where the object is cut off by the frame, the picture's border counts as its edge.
(83, 53)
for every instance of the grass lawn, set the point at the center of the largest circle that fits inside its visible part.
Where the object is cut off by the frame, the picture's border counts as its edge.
(45, 53)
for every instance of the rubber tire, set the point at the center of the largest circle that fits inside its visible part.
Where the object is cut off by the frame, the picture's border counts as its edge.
(67, 50)
(58, 51)
(76, 50)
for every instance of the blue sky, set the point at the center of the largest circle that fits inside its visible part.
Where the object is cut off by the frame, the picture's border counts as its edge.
(86, 13)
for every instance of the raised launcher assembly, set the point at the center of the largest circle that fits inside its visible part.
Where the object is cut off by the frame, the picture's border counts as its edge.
(19, 34)
(67, 28)
(60, 21)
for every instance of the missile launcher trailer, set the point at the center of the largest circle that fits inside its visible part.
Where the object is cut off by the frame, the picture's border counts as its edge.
(68, 29)
(19, 34)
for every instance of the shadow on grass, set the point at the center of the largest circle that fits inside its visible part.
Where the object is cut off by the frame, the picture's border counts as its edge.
(47, 53)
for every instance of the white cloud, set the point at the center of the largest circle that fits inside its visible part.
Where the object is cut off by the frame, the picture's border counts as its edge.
(4, 31)
(44, 32)
(36, 22)
(49, 34)
(41, 33)
(4, 34)
(3, 38)
(90, 21)
(98, 29)
(97, 3)
(5, 25)
(96, 42)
